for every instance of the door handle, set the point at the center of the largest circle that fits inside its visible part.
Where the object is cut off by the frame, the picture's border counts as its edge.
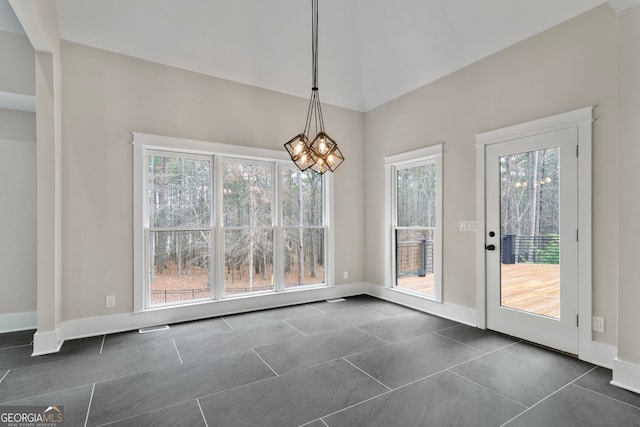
(490, 247)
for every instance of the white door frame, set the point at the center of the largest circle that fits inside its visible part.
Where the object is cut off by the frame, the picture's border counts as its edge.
(580, 119)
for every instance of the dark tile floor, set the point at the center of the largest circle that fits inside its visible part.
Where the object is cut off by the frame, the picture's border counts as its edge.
(361, 362)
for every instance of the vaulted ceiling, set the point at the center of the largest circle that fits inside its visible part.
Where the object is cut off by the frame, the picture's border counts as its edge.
(371, 51)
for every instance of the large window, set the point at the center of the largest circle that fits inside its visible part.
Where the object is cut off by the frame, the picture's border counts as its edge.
(415, 221)
(213, 225)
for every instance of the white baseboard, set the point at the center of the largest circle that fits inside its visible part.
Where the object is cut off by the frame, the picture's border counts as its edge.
(17, 321)
(93, 326)
(450, 311)
(46, 342)
(626, 375)
(599, 354)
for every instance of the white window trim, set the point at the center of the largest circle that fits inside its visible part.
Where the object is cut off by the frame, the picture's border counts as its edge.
(143, 143)
(427, 155)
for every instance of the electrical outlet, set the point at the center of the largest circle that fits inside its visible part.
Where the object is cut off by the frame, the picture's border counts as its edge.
(111, 301)
(345, 275)
(597, 324)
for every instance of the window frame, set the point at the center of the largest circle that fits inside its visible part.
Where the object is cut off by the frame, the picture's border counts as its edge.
(144, 144)
(415, 158)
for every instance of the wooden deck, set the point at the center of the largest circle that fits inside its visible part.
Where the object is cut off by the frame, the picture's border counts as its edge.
(534, 288)
(424, 285)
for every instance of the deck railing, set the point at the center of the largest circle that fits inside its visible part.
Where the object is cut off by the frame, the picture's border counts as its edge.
(160, 296)
(530, 249)
(414, 258)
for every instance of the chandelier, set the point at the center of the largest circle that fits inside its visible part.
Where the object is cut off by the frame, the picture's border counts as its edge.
(314, 148)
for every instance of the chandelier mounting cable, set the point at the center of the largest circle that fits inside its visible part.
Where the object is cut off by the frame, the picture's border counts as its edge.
(320, 153)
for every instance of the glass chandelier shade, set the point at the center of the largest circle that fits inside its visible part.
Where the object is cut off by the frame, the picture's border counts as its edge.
(320, 152)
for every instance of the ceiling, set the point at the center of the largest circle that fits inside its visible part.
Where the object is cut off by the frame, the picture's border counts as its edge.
(370, 52)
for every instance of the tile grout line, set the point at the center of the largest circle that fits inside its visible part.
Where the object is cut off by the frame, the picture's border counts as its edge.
(270, 378)
(5, 376)
(228, 324)
(214, 356)
(357, 403)
(424, 378)
(547, 397)
(258, 381)
(369, 333)
(42, 394)
(377, 312)
(315, 308)
(451, 367)
(470, 346)
(604, 395)
(177, 351)
(102, 345)
(367, 374)
(456, 341)
(308, 423)
(202, 412)
(295, 328)
(449, 327)
(322, 363)
(427, 333)
(265, 362)
(16, 346)
(488, 389)
(86, 419)
(111, 422)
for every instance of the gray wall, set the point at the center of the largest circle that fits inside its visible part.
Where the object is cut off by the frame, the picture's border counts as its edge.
(17, 180)
(107, 96)
(18, 213)
(17, 73)
(567, 67)
(629, 179)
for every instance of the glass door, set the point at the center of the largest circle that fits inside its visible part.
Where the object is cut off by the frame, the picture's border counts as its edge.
(531, 242)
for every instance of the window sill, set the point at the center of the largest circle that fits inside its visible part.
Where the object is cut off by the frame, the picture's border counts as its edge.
(416, 294)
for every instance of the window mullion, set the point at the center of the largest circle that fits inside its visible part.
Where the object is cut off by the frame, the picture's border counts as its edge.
(278, 246)
(217, 246)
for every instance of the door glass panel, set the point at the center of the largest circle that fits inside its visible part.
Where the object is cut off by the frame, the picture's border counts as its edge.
(530, 232)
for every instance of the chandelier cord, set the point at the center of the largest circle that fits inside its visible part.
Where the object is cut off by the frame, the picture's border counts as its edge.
(314, 150)
(314, 113)
(314, 44)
